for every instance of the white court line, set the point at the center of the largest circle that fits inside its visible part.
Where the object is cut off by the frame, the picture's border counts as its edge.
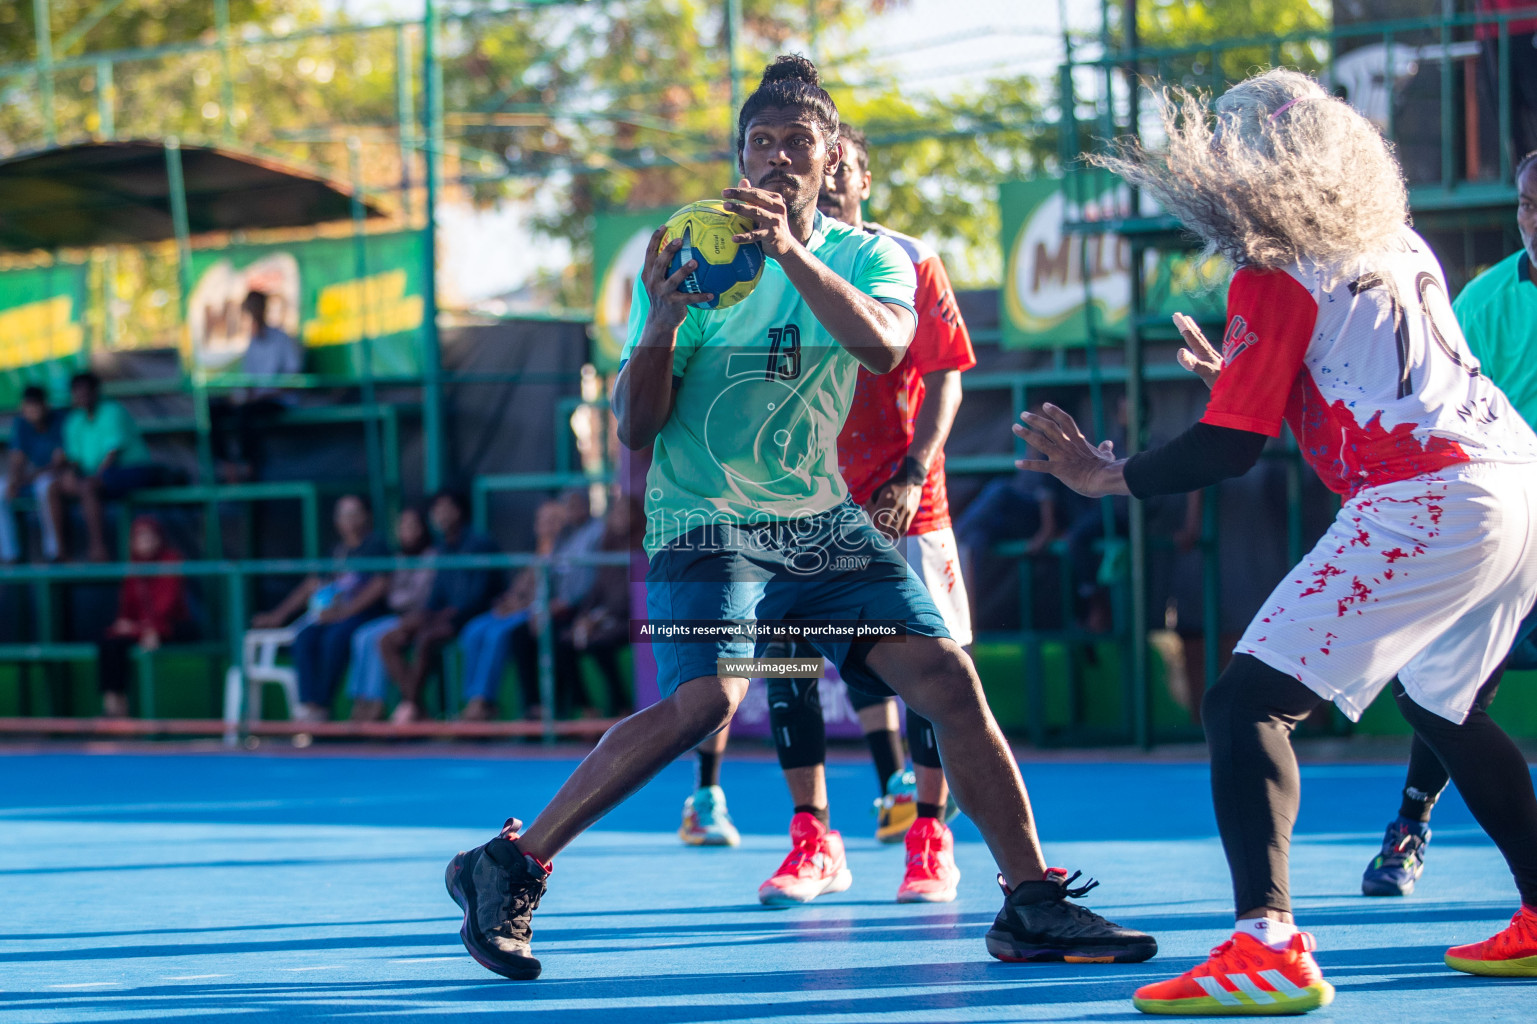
(325, 967)
(425, 960)
(86, 984)
(192, 977)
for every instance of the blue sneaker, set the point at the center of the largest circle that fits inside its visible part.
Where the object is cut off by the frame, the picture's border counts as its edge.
(1393, 871)
(898, 809)
(706, 821)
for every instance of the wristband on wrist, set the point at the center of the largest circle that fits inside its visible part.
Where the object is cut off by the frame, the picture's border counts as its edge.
(912, 472)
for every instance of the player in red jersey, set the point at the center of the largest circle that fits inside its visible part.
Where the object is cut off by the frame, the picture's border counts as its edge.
(891, 455)
(1338, 324)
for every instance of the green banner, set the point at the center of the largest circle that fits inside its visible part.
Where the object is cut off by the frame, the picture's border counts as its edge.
(42, 337)
(356, 305)
(1045, 302)
(618, 252)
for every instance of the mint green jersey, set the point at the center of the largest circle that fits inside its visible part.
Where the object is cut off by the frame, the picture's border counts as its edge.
(761, 390)
(1497, 312)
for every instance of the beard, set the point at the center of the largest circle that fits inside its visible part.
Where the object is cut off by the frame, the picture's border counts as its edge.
(794, 192)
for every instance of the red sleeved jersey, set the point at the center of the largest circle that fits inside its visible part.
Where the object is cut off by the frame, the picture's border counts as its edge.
(879, 430)
(1367, 366)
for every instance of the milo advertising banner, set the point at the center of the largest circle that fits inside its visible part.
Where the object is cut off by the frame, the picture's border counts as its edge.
(353, 316)
(1044, 297)
(618, 253)
(42, 337)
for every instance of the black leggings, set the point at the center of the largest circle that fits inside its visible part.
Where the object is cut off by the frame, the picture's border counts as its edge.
(800, 732)
(1427, 777)
(1493, 778)
(1249, 717)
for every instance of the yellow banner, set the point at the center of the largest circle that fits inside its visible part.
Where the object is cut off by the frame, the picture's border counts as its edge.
(368, 307)
(37, 332)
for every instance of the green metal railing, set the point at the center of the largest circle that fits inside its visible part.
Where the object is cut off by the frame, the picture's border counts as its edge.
(238, 573)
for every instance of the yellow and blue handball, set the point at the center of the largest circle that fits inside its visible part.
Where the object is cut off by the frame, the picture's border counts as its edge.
(727, 270)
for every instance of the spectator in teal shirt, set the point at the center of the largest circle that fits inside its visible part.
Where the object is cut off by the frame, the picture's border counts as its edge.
(105, 456)
(1498, 309)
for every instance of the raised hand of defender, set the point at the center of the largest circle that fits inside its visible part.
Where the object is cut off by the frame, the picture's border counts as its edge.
(1089, 470)
(765, 209)
(1197, 356)
(669, 302)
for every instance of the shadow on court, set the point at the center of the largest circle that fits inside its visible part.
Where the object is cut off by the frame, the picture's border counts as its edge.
(280, 888)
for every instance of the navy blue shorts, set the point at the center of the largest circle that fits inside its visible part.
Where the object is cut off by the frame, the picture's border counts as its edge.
(835, 566)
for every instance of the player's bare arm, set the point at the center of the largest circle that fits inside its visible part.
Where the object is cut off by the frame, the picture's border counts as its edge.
(643, 391)
(1092, 471)
(895, 503)
(876, 333)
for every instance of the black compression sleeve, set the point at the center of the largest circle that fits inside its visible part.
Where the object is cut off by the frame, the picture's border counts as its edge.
(1200, 457)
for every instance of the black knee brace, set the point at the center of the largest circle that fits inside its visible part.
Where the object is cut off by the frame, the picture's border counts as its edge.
(921, 744)
(795, 716)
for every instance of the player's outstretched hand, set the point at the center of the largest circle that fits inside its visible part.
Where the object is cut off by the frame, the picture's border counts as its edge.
(1197, 356)
(1092, 472)
(669, 302)
(765, 209)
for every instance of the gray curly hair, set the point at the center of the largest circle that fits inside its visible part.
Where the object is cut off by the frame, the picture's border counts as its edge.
(1276, 172)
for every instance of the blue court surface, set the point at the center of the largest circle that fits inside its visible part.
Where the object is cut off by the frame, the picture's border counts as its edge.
(190, 886)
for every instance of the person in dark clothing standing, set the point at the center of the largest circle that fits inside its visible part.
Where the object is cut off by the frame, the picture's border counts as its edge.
(150, 611)
(458, 595)
(1522, 72)
(241, 417)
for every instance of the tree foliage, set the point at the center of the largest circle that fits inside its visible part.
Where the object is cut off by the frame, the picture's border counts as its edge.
(1178, 24)
(579, 109)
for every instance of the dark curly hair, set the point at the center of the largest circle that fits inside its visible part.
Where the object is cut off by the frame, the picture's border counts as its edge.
(855, 145)
(790, 83)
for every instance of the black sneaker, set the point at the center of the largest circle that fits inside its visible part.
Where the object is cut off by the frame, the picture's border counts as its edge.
(1038, 924)
(498, 888)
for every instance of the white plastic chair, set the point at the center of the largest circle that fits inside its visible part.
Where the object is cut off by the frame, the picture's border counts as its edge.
(258, 666)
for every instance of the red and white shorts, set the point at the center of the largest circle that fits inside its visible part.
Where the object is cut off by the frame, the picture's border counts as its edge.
(1426, 579)
(933, 556)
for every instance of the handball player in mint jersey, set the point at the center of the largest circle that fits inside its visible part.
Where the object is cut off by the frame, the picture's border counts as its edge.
(748, 519)
(1338, 324)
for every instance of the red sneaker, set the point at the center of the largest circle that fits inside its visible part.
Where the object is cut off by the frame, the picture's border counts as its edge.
(1512, 953)
(815, 865)
(1244, 977)
(931, 872)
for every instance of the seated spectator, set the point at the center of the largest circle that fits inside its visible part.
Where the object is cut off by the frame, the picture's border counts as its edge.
(151, 610)
(1017, 507)
(242, 416)
(485, 637)
(601, 627)
(570, 583)
(105, 457)
(335, 607)
(37, 454)
(408, 593)
(458, 595)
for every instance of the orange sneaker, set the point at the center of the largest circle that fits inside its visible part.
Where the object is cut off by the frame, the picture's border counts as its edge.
(931, 872)
(1244, 977)
(816, 864)
(1512, 953)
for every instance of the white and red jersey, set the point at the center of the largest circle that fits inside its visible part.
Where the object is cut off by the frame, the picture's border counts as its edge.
(1367, 366)
(878, 433)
